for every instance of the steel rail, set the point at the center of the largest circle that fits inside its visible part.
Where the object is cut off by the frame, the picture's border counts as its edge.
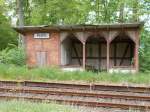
(81, 103)
(79, 86)
(76, 93)
(33, 88)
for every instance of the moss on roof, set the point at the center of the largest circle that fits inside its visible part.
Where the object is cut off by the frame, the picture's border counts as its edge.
(24, 29)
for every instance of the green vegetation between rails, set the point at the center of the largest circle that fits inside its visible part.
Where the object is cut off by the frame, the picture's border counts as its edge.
(11, 72)
(25, 106)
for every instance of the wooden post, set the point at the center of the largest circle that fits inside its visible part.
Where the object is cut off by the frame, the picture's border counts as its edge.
(136, 52)
(108, 59)
(136, 56)
(82, 37)
(84, 54)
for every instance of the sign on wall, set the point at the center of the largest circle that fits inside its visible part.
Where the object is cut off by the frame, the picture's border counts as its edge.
(41, 35)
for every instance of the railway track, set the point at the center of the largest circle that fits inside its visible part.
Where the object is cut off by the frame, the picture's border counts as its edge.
(78, 94)
(79, 86)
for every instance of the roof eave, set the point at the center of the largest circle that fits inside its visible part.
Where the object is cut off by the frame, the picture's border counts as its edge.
(25, 29)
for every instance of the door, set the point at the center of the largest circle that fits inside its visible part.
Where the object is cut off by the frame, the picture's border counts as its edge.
(41, 57)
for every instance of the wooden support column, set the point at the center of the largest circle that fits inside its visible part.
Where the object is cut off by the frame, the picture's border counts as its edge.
(84, 55)
(136, 57)
(83, 36)
(109, 36)
(108, 59)
(136, 52)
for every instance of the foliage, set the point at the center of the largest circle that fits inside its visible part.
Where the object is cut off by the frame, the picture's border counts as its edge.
(83, 11)
(145, 52)
(59, 12)
(38, 12)
(11, 72)
(12, 55)
(26, 106)
(7, 35)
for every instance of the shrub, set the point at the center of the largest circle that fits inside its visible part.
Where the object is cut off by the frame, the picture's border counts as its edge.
(145, 52)
(12, 55)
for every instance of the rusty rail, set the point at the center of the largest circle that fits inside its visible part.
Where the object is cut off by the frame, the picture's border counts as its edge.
(79, 86)
(82, 103)
(75, 93)
(34, 88)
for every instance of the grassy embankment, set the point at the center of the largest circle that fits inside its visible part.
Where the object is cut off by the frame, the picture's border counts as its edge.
(47, 74)
(25, 106)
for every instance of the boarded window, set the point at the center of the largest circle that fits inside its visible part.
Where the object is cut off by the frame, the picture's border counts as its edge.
(41, 58)
(41, 35)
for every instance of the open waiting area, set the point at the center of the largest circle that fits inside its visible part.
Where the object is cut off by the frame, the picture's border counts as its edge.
(111, 47)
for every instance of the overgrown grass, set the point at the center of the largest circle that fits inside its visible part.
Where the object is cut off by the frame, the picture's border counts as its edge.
(25, 106)
(10, 72)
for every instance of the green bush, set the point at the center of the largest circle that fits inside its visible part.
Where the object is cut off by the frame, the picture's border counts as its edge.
(12, 55)
(145, 52)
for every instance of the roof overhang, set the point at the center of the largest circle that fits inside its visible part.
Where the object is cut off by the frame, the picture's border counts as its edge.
(45, 28)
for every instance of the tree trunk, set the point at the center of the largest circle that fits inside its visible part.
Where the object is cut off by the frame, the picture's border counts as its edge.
(121, 13)
(20, 20)
(97, 5)
(135, 17)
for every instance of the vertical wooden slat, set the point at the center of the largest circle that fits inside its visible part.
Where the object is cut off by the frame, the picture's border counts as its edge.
(108, 60)
(76, 52)
(38, 58)
(115, 54)
(41, 58)
(84, 54)
(99, 52)
(131, 53)
(124, 54)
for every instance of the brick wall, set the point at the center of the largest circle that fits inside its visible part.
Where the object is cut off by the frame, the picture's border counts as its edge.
(51, 46)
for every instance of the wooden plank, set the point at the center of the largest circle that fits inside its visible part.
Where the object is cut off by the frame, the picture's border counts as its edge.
(99, 53)
(131, 53)
(124, 54)
(108, 59)
(104, 42)
(136, 55)
(41, 58)
(76, 52)
(84, 56)
(38, 58)
(127, 58)
(115, 54)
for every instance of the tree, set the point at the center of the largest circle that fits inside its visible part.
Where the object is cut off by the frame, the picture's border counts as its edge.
(7, 35)
(144, 51)
(59, 12)
(121, 11)
(20, 12)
